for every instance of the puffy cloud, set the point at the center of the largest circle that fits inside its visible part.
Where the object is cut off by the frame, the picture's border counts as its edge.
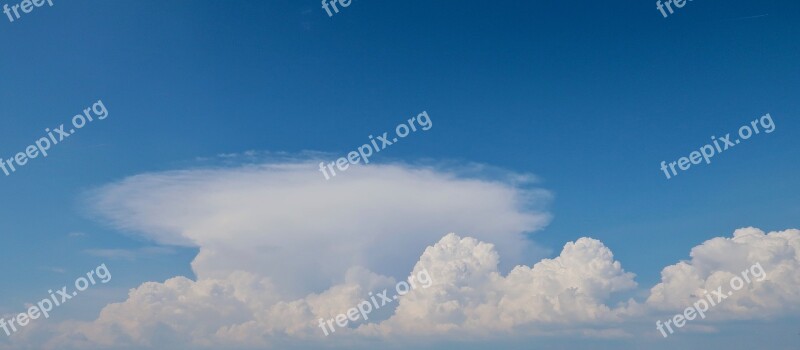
(567, 295)
(280, 248)
(716, 262)
(176, 311)
(467, 294)
(471, 295)
(240, 310)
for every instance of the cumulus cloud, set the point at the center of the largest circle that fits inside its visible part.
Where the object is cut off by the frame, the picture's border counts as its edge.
(241, 310)
(280, 248)
(471, 296)
(468, 295)
(715, 262)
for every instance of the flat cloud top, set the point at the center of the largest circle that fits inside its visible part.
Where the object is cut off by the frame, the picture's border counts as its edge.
(287, 222)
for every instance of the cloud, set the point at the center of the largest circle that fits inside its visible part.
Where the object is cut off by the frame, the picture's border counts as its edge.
(715, 262)
(279, 219)
(470, 296)
(569, 295)
(280, 248)
(130, 254)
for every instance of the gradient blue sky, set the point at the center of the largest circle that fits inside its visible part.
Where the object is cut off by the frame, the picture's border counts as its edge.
(589, 95)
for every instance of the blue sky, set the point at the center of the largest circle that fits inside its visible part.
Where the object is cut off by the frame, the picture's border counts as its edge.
(588, 96)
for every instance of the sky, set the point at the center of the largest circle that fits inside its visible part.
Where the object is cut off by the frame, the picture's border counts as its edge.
(549, 124)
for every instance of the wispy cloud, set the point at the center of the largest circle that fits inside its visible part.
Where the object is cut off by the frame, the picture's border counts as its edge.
(130, 254)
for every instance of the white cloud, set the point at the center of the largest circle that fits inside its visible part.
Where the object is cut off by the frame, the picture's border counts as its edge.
(279, 248)
(716, 261)
(470, 296)
(568, 295)
(279, 219)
